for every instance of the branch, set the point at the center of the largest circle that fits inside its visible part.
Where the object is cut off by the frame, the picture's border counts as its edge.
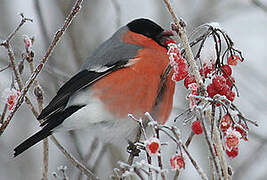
(76, 163)
(22, 22)
(38, 69)
(180, 29)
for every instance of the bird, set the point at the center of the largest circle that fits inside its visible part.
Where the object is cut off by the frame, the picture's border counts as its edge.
(122, 76)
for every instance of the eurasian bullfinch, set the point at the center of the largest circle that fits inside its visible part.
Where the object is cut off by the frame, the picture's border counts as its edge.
(122, 76)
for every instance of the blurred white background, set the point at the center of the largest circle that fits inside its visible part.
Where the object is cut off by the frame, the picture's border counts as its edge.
(245, 22)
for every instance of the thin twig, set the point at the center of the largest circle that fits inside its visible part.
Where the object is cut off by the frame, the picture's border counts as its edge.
(76, 163)
(2, 117)
(137, 138)
(159, 157)
(89, 154)
(5, 68)
(39, 96)
(38, 69)
(189, 139)
(44, 34)
(11, 35)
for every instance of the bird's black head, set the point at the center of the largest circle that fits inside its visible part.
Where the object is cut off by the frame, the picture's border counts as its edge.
(149, 29)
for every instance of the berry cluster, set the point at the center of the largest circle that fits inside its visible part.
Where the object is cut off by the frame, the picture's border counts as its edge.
(233, 133)
(177, 62)
(221, 84)
(218, 80)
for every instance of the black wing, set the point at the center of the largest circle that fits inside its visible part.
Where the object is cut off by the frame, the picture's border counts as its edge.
(81, 80)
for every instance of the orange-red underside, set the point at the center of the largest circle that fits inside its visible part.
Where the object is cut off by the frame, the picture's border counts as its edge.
(134, 89)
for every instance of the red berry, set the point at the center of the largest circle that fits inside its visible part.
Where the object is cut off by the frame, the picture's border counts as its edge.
(152, 146)
(196, 127)
(230, 95)
(232, 60)
(189, 80)
(229, 82)
(232, 138)
(177, 162)
(243, 131)
(232, 153)
(226, 69)
(226, 122)
(219, 82)
(211, 90)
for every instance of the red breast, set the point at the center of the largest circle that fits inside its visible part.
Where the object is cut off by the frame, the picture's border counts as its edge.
(134, 89)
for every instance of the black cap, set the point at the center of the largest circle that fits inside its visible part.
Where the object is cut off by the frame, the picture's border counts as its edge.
(145, 27)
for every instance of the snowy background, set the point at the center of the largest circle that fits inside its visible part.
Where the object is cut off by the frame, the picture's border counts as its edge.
(98, 19)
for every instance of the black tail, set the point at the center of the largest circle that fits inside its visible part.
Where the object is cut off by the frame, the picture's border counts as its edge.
(52, 122)
(34, 139)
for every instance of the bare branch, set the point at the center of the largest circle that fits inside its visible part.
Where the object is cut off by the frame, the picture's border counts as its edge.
(76, 163)
(38, 69)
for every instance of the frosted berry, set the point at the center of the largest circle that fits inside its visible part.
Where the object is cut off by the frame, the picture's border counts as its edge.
(152, 146)
(219, 82)
(189, 80)
(233, 152)
(177, 162)
(226, 69)
(180, 71)
(196, 127)
(226, 122)
(232, 138)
